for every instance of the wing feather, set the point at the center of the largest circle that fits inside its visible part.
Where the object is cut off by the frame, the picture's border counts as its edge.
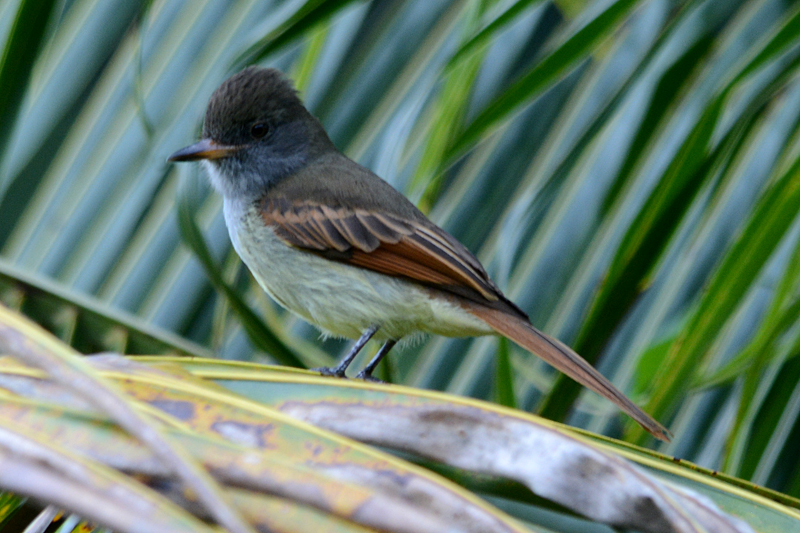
(381, 242)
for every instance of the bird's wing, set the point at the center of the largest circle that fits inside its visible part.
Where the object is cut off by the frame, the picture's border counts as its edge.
(381, 242)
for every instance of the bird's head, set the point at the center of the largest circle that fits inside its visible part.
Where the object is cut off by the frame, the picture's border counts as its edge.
(256, 132)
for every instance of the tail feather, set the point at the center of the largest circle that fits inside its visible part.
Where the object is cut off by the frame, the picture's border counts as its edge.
(564, 359)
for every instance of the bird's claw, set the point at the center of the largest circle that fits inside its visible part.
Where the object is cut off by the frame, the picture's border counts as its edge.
(369, 377)
(330, 371)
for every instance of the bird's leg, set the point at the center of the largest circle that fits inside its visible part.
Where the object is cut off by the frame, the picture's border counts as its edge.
(366, 374)
(339, 369)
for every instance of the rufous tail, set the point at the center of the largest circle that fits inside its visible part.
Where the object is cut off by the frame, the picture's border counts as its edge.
(564, 359)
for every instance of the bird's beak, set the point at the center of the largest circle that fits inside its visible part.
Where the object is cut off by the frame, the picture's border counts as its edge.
(205, 149)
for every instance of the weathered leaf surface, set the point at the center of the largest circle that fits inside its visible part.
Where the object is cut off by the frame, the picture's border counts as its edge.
(482, 438)
(282, 515)
(355, 480)
(290, 460)
(38, 348)
(31, 465)
(230, 464)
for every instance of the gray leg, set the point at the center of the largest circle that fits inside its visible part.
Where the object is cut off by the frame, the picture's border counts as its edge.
(366, 374)
(339, 369)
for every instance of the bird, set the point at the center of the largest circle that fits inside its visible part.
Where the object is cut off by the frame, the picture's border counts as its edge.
(337, 245)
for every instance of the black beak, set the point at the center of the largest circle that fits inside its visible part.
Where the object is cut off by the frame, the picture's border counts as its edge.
(205, 149)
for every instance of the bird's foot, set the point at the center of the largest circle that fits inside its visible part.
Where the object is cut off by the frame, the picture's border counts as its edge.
(368, 377)
(330, 371)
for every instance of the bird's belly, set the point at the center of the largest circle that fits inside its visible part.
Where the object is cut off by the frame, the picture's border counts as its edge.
(344, 300)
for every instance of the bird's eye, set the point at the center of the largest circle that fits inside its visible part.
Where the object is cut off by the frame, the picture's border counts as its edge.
(259, 130)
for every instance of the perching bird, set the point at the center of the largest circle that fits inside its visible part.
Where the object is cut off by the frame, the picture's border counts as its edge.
(334, 243)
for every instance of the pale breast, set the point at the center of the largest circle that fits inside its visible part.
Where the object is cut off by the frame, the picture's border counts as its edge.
(341, 299)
